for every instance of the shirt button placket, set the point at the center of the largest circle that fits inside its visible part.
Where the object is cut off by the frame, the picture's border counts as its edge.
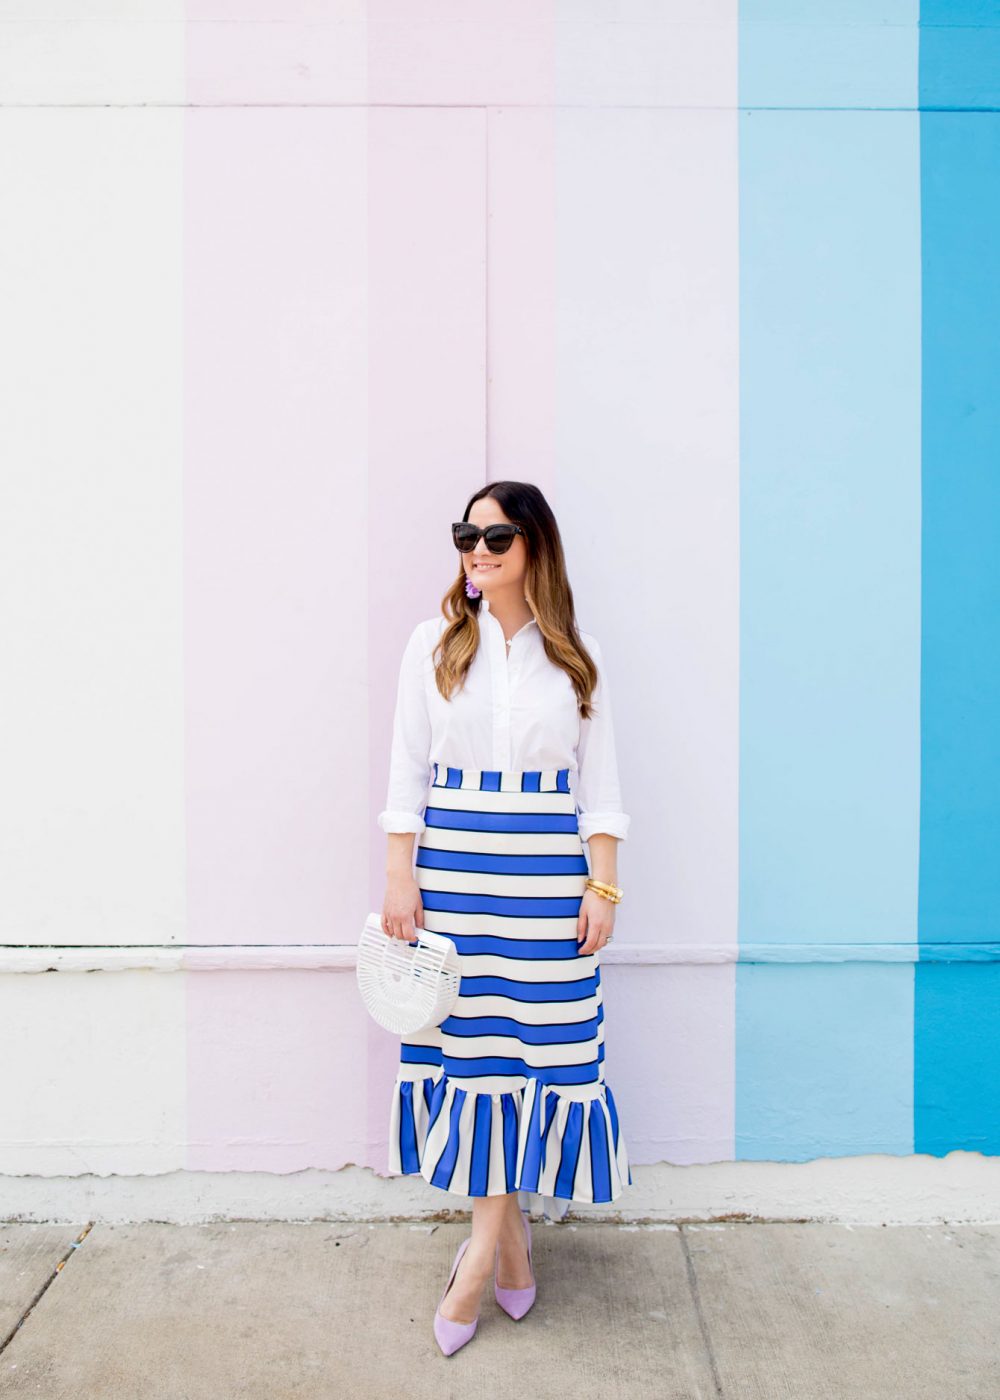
(501, 700)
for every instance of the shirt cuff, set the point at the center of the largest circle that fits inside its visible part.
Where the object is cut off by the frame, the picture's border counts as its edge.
(614, 823)
(401, 821)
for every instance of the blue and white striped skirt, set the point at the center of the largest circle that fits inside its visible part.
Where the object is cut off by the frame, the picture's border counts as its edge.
(508, 1093)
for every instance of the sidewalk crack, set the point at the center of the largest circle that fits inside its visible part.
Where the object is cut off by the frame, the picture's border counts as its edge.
(692, 1278)
(60, 1265)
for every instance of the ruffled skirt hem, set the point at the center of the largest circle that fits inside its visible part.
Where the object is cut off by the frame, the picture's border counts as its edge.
(559, 1141)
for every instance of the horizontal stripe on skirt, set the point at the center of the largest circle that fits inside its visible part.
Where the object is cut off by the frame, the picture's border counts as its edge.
(509, 1093)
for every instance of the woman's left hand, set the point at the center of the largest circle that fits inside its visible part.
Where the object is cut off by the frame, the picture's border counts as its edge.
(596, 922)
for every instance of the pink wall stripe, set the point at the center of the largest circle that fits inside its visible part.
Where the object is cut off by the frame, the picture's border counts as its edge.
(521, 324)
(426, 418)
(275, 639)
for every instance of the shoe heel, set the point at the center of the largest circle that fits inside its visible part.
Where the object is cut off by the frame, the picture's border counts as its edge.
(516, 1301)
(452, 1335)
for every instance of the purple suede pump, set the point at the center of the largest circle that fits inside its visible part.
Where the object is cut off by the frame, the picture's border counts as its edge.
(516, 1301)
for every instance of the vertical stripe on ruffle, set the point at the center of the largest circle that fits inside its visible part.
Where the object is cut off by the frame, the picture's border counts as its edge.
(531, 1139)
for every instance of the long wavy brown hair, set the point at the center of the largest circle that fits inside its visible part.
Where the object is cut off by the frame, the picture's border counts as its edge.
(546, 588)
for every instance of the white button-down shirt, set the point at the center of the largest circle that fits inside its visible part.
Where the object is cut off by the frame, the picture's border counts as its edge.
(515, 711)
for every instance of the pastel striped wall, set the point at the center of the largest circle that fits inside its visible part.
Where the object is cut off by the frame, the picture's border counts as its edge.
(287, 281)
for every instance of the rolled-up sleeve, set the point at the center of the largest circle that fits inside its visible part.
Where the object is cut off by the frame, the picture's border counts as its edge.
(409, 761)
(598, 794)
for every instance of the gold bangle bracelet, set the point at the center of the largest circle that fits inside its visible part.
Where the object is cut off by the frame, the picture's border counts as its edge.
(610, 892)
(612, 899)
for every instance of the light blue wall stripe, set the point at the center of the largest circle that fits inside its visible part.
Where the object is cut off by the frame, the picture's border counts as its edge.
(957, 1029)
(830, 525)
(858, 53)
(824, 1060)
(830, 616)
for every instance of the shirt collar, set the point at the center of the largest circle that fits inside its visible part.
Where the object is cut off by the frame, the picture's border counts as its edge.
(484, 607)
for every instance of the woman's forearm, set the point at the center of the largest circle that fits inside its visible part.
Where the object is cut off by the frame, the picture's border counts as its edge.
(399, 853)
(604, 857)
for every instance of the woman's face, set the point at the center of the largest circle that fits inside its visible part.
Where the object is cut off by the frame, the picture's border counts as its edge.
(495, 574)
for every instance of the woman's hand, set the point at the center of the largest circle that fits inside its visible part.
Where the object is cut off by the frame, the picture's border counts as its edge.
(596, 922)
(402, 908)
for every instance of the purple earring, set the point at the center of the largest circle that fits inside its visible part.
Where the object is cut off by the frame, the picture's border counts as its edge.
(471, 591)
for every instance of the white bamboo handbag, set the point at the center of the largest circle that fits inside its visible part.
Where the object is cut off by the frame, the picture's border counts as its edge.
(404, 988)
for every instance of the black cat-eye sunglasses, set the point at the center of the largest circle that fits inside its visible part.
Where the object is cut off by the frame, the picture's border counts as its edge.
(499, 538)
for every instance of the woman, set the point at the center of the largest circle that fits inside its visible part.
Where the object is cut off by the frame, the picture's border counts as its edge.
(503, 763)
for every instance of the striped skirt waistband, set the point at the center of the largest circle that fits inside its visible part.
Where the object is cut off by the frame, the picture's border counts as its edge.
(501, 779)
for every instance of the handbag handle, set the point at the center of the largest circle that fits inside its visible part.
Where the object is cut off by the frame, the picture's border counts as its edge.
(424, 935)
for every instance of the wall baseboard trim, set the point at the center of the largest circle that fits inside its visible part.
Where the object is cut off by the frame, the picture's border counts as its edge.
(962, 1188)
(342, 957)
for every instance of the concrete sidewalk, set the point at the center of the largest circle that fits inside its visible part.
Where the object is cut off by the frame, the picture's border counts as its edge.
(268, 1310)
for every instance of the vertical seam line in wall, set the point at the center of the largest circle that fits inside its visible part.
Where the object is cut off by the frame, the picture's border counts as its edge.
(486, 294)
